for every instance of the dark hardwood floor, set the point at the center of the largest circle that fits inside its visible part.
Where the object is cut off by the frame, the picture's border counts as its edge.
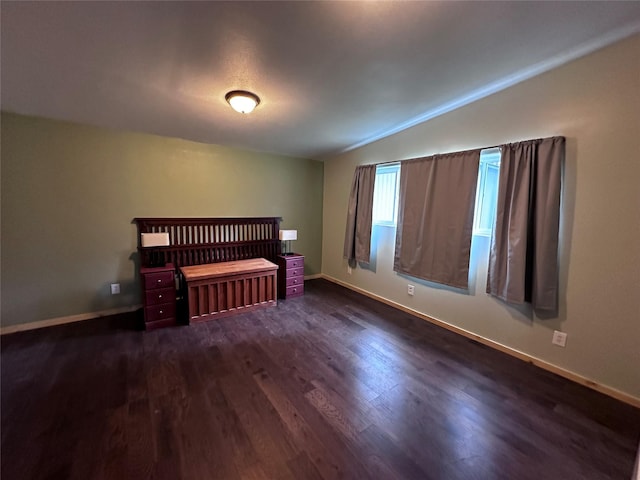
(328, 385)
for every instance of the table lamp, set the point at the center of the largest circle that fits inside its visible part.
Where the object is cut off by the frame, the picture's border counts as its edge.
(286, 236)
(149, 240)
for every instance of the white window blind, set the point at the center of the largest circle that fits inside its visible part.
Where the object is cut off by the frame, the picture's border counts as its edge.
(385, 194)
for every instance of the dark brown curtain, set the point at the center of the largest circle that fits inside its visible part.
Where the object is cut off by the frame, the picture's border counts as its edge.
(435, 217)
(523, 264)
(357, 238)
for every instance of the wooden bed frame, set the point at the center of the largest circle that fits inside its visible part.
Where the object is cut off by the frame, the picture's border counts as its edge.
(205, 241)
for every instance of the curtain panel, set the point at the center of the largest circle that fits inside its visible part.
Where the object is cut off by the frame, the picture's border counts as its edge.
(435, 217)
(523, 263)
(357, 238)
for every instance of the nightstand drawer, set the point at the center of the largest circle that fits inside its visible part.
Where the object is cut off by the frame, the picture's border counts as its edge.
(295, 291)
(293, 281)
(165, 322)
(294, 262)
(160, 312)
(295, 272)
(159, 280)
(160, 295)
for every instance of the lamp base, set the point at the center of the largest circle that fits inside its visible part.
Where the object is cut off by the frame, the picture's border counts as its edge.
(156, 259)
(286, 248)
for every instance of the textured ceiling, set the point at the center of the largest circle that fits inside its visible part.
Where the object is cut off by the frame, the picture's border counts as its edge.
(331, 75)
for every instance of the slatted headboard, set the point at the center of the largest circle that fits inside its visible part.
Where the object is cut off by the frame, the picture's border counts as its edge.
(195, 241)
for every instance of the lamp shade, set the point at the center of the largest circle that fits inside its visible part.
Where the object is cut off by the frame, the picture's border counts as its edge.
(288, 235)
(154, 239)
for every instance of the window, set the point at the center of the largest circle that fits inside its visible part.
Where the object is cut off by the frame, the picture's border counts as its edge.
(385, 194)
(487, 192)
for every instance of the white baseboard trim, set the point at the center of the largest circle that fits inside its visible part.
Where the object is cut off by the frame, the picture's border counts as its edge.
(313, 277)
(610, 391)
(50, 322)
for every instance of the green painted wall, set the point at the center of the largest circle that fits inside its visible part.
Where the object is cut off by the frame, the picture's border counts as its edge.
(595, 103)
(69, 193)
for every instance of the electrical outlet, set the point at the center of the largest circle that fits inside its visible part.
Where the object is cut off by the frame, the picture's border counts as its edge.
(411, 289)
(559, 338)
(349, 270)
(115, 288)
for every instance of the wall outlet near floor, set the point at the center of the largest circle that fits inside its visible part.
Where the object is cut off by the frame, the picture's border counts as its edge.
(349, 270)
(115, 288)
(559, 338)
(411, 289)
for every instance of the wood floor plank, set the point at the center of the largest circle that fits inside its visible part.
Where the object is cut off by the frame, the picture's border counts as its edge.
(139, 438)
(388, 457)
(356, 406)
(329, 385)
(268, 435)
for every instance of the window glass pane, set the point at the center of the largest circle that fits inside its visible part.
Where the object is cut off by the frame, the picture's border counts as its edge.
(385, 193)
(487, 192)
(488, 210)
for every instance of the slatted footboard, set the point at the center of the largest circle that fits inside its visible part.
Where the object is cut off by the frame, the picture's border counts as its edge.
(222, 289)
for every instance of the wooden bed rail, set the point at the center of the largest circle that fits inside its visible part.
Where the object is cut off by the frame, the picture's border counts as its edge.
(196, 241)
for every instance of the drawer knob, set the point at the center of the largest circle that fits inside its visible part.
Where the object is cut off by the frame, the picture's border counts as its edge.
(159, 296)
(159, 281)
(160, 312)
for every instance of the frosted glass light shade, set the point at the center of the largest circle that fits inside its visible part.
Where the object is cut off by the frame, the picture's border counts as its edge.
(154, 239)
(288, 235)
(241, 101)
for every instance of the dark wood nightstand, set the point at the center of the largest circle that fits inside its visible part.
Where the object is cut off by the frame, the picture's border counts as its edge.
(159, 296)
(290, 275)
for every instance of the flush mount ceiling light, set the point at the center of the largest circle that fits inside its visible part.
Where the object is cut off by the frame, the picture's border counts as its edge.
(241, 101)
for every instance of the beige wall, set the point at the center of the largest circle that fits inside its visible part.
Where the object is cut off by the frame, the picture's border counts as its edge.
(595, 103)
(69, 193)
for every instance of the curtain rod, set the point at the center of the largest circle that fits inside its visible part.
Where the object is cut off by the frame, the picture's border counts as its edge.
(432, 155)
(464, 151)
